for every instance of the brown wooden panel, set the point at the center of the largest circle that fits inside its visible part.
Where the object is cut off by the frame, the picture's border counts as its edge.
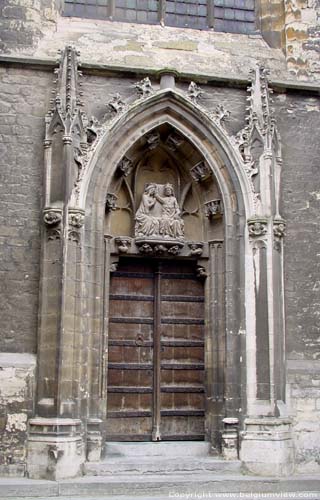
(172, 286)
(131, 308)
(130, 354)
(182, 320)
(136, 378)
(121, 331)
(177, 309)
(156, 352)
(175, 331)
(182, 377)
(183, 354)
(129, 402)
(138, 428)
(131, 286)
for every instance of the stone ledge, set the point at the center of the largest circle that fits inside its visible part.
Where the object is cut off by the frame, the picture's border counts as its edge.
(303, 365)
(17, 360)
(47, 64)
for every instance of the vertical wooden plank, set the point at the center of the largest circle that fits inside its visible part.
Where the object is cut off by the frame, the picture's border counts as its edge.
(157, 355)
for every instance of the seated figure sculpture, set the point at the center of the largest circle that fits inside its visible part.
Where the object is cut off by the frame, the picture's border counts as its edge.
(159, 214)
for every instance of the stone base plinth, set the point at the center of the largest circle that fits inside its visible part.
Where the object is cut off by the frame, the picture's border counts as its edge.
(267, 447)
(55, 448)
(94, 439)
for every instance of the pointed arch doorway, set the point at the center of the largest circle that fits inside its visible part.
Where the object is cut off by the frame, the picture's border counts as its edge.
(163, 363)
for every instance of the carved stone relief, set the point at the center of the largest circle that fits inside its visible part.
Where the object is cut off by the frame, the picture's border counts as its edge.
(52, 217)
(111, 200)
(153, 139)
(144, 87)
(196, 249)
(174, 141)
(194, 92)
(200, 172)
(125, 166)
(279, 228)
(213, 209)
(123, 244)
(159, 214)
(116, 104)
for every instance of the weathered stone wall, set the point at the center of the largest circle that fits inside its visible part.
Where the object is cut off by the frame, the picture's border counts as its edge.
(24, 100)
(298, 116)
(23, 22)
(17, 382)
(304, 403)
(302, 20)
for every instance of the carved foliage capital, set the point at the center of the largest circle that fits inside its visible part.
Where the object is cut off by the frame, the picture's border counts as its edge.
(76, 217)
(279, 228)
(257, 227)
(52, 216)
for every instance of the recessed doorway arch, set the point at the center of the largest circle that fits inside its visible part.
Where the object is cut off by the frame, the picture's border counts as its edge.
(176, 134)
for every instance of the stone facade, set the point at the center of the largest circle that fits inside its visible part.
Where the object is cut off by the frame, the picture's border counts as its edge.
(33, 261)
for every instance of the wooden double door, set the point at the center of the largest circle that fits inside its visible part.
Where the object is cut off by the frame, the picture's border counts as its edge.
(155, 375)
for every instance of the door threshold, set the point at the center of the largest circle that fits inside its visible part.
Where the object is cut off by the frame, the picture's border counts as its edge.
(167, 449)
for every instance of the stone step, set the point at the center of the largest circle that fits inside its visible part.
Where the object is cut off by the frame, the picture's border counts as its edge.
(165, 449)
(163, 487)
(153, 465)
(162, 457)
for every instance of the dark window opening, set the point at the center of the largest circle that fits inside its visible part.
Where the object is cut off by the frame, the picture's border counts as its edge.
(231, 16)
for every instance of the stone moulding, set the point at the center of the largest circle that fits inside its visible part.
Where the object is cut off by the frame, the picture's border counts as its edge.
(159, 246)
